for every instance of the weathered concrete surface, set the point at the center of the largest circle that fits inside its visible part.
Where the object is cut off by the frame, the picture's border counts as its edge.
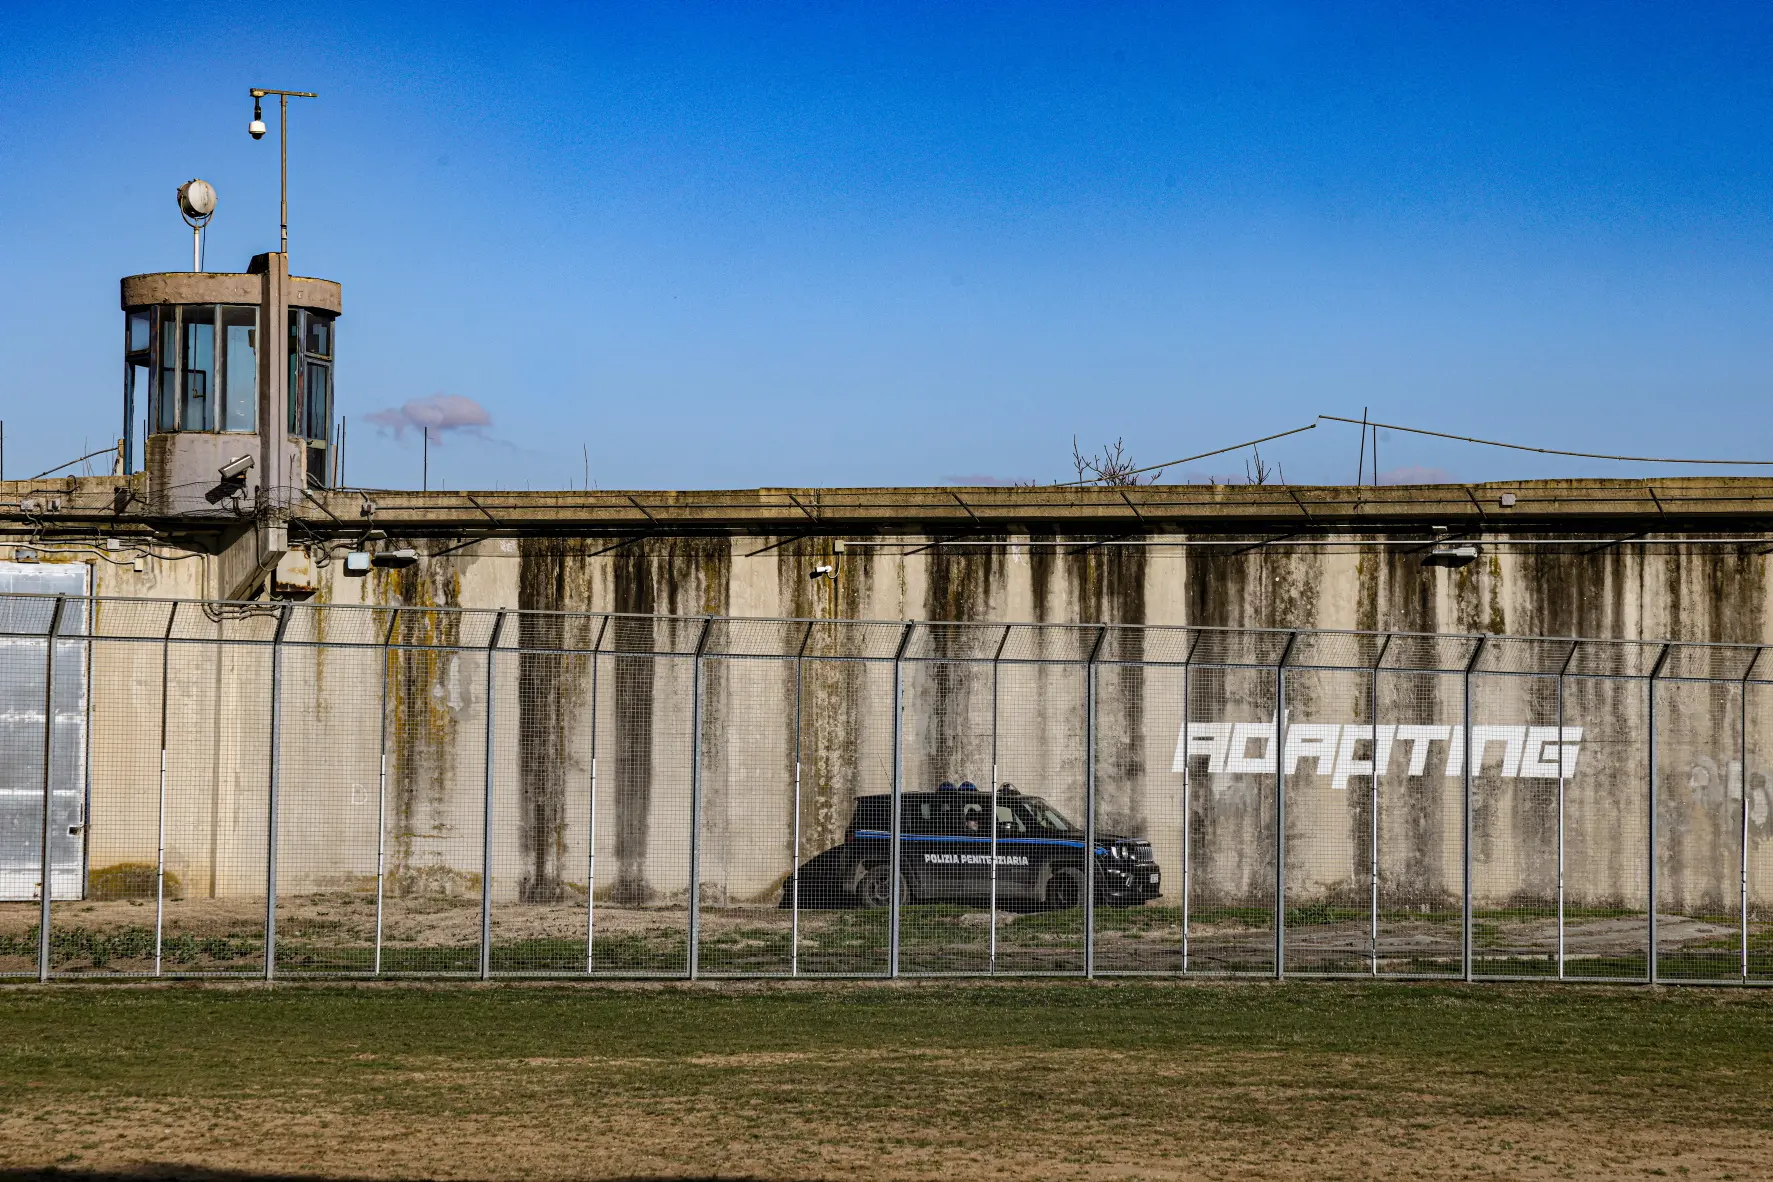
(1601, 559)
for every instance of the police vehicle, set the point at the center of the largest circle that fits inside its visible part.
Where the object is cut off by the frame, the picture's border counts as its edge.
(945, 855)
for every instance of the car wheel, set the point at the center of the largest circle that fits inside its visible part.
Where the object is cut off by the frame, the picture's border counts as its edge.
(1064, 890)
(876, 888)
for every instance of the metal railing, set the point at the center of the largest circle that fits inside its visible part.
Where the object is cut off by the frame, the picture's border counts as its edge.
(304, 790)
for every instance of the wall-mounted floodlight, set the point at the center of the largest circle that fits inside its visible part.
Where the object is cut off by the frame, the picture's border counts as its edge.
(357, 563)
(395, 558)
(1462, 554)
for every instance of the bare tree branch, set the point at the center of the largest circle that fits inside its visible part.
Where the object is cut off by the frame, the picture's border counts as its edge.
(1112, 466)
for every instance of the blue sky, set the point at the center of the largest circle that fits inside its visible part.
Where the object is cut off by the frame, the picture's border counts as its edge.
(732, 245)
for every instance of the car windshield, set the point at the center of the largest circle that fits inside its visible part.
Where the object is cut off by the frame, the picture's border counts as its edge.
(1043, 817)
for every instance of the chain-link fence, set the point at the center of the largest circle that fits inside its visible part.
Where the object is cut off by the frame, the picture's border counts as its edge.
(303, 790)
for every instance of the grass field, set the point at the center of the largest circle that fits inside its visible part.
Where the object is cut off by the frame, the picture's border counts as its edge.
(933, 1079)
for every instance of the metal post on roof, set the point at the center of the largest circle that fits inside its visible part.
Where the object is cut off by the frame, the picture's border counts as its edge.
(1280, 808)
(46, 889)
(273, 786)
(1652, 972)
(486, 802)
(894, 878)
(695, 863)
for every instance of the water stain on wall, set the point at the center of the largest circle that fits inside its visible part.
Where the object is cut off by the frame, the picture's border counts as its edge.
(431, 694)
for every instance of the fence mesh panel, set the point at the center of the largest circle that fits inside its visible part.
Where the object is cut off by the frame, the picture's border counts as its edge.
(1042, 873)
(1755, 903)
(1606, 809)
(1329, 819)
(748, 801)
(1698, 829)
(548, 794)
(329, 808)
(951, 722)
(109, 928)
(1420, 802)
(432, 844)
(1139, 797)
(1516, 831)
(1231, 742)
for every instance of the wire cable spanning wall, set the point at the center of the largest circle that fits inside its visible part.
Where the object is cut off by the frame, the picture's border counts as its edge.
(301, 790)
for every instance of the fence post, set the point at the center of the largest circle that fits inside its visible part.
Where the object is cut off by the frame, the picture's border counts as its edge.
(898, 788)
(1655, 671)
(1089, 899)
(1563, 671)
(695, 866)
(47, 888)
(1373, 804)
(996, 662)
(1280, 809)
(486, 803)
(1742, 737)
(160, 814)
(271, 803)
(382, 791)
(794, 872)
(1187, 787)
(1465, 813)
(591, 840)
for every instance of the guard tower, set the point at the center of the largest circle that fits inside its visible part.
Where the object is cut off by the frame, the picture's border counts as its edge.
(228, 385)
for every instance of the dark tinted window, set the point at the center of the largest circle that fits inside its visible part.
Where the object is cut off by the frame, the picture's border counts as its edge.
(937, 815)
(873, 812)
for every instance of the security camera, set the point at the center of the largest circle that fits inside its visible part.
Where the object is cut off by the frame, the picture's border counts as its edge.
(256, 129)
(823, 572)
(233, 482)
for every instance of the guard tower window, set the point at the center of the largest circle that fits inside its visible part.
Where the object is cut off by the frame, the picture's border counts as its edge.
(204, 362)
(138, 373)
(310, 386)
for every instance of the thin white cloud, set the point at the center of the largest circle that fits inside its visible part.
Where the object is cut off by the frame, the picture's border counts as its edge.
(1416, 474)
(441, 413)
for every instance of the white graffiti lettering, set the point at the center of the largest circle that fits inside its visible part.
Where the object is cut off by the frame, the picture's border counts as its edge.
(1347, 751)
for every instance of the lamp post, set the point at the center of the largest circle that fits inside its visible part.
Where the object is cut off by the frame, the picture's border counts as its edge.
(256, 129)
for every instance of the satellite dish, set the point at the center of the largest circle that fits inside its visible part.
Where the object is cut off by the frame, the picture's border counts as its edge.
(197, 200)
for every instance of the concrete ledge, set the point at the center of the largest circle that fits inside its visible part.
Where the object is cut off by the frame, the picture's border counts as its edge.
(1676, 505)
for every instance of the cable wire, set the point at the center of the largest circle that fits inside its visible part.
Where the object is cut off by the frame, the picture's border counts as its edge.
(1190, 459)
(1547, 451)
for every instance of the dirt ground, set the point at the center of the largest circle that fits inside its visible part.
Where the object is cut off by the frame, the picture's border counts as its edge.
(552, 1120)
